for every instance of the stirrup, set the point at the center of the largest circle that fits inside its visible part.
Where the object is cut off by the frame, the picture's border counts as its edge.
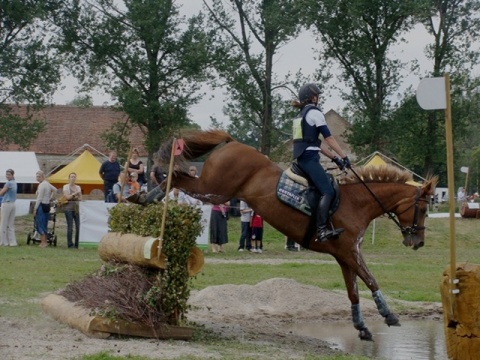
(324, 234)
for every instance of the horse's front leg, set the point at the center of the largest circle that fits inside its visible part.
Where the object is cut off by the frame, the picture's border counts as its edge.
(350, 279)
(367, 277)
(390, 318)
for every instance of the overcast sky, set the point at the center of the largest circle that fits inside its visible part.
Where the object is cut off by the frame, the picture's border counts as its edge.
(287, 60)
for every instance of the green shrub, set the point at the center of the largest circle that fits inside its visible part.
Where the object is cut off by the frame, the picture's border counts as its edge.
(182, 227)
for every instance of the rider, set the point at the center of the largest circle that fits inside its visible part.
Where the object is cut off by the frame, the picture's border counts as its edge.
(307, 128)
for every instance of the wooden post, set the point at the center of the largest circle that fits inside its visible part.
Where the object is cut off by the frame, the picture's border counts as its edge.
(451, 193)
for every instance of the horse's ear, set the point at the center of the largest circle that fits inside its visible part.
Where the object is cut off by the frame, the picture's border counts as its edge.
(430, 185)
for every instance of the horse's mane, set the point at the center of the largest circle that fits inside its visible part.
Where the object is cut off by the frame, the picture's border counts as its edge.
(383, 174)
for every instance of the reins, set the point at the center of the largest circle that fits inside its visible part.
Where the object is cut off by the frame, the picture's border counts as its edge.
(404, 229)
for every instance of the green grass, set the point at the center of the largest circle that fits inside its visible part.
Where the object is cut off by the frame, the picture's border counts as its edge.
(27, 273)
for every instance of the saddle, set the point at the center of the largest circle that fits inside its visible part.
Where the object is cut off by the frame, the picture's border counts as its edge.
(295, 189)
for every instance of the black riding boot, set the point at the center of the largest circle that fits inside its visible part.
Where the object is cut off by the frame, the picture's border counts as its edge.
(323, 233)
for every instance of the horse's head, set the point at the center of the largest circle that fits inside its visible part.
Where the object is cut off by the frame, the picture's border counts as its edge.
(411, 213)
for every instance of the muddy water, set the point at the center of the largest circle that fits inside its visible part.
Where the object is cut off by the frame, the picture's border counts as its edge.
(414, 340)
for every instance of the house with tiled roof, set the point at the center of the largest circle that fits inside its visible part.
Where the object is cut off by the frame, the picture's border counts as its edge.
(69, 128)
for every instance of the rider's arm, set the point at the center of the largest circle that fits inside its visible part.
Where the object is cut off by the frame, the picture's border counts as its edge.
(326, 152)
(330, 140)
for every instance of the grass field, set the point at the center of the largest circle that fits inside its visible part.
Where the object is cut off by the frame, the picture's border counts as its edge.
(27, 273)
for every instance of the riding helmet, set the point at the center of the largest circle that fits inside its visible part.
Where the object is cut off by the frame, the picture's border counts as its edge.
(308, 91)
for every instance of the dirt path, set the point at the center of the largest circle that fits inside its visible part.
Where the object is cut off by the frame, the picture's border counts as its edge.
(253, 315)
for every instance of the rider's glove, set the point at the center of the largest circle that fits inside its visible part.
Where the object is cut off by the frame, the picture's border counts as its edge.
(338, 162)
(347, 163)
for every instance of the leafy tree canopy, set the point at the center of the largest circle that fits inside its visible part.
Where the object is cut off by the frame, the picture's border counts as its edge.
(29, 67)
(142, 53)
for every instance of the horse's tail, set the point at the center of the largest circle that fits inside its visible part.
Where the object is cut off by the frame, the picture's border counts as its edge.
(197, 143)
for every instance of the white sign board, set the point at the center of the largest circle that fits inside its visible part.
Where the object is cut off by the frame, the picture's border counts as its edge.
(431, 94)
(94, 221)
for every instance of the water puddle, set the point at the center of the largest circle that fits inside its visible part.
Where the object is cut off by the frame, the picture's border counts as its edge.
(415, 339)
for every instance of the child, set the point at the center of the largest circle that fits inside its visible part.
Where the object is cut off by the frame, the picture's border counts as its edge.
(245, 219)
(257, 233)
(134, 184)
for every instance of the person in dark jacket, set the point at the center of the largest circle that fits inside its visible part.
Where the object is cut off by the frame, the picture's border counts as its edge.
(109, 171)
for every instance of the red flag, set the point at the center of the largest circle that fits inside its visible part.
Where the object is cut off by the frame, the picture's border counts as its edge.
(179, 144)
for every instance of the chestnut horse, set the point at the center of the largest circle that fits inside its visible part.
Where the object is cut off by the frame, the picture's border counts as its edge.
(236, 170)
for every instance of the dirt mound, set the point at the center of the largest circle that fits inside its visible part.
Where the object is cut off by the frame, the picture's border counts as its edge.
(279, 299)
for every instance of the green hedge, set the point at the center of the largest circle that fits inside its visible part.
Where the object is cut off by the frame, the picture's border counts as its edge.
(182, 227)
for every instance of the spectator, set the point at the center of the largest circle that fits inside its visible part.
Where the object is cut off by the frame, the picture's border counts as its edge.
(461, 195)
(192, 171)
(119, 193)
(135, 165)
(134, 184)
(157, 175)
(7, 222)
(234, 207)
(109, 172)
(218, 227)
(177, 195)
(180, 197)
(290, 244)
(73, 193)
(245, 218)
(257, 233)
(41, 211)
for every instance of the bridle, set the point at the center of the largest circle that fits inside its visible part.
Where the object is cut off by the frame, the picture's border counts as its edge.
(405, 230)
(411, 230)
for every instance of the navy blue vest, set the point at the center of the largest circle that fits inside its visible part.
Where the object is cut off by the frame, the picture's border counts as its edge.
(310, 134)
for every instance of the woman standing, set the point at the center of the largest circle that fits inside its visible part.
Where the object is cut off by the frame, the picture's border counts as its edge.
(73, 193)
(41, 212)
(218, 227)
(136, 165)
(7, 224)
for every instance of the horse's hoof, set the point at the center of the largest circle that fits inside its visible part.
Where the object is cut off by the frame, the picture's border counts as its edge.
(392, 320)
(365, 334)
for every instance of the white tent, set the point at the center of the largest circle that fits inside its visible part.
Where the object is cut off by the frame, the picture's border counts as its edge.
(23, 163)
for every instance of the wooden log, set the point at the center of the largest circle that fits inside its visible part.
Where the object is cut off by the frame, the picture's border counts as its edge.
(99, 327)
(160, 331)
(462, 312)
(132, 249)
(142, 251)
(470, 210)
(68, 313)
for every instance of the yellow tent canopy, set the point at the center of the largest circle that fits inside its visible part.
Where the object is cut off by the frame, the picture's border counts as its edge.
(86, 167)
(377, 161)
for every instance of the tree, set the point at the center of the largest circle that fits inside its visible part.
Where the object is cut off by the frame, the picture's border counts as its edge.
(29, 68)
(357, 35)
(454, 26)
(143, 54)
(82, 101)
(249, 35)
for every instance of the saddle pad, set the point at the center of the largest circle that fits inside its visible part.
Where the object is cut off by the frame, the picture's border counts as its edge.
(293, 194)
